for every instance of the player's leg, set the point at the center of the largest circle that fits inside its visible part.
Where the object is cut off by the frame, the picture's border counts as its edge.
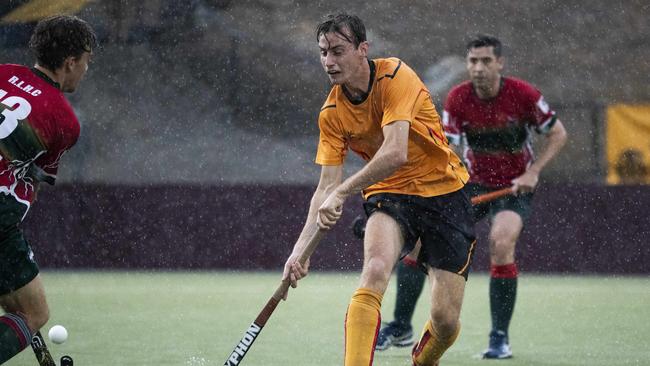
(382, 245)
(448, 243)
(409, 287)
(410, 281)
(504, 232)
(22, 296)
(26, 311)
(442, 329)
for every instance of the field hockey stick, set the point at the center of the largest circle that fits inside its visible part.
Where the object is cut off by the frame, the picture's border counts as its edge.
(43, 355)
(254, 330)
(491, 196)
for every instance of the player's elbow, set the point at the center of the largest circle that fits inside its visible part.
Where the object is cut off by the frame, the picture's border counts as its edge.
(564, 136)
(560, 134)
(402, 158)
(396, 158)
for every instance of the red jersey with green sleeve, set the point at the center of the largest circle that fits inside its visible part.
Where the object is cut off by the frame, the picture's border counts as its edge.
(496, 133)
(37, 125)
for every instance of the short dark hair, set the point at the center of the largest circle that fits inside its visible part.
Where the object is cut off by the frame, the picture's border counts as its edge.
(338, 23)
(484, 40)
(59, 37)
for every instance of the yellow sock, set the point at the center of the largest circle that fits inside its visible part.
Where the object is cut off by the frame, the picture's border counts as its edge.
(430, 347)
(361, 326)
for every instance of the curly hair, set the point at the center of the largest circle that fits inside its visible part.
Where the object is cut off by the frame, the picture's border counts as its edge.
(59, 37)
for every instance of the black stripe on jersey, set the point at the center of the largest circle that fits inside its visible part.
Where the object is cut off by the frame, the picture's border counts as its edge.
(328, 106)
(394, 72)
(42, 75)
(509, 139)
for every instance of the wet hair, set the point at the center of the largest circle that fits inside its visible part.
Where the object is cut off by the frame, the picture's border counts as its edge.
(484, 40)
(59, 37)
(339, 23)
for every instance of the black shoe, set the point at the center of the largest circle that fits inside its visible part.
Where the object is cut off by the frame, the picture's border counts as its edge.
(498, 347)
(393, 334)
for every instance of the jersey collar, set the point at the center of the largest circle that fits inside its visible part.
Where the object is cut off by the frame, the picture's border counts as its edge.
(501, 83)
(43, 76)
(363, 98)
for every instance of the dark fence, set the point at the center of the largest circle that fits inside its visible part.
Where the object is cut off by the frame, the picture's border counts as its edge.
(577, 229)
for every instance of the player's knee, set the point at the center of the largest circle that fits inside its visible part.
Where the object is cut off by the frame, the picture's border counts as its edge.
(446, 323)
(380, 268)
(377, 273)
(504, 236)
(502, 246)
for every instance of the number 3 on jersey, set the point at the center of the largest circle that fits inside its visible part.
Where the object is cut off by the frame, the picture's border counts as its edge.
(13, 109)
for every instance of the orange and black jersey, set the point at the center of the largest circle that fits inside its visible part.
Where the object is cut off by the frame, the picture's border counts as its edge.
(395, 93)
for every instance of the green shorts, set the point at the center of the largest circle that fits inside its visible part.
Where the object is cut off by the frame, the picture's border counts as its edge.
(520, 203)
(17, 264)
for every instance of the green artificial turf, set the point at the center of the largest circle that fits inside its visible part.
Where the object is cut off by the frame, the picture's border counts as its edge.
(196, 319)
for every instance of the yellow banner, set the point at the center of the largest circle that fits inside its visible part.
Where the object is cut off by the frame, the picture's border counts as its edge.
(36, 10)
(628, 144)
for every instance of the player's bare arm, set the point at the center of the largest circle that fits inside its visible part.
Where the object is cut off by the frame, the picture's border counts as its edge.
(330, 178)
(392, 154)
(555, 140)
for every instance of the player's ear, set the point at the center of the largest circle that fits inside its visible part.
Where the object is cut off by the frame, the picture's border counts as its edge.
(501, 62)
(363, 48)
(69, 63)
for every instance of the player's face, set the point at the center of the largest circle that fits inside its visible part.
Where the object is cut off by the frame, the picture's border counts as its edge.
(484, 67)
(76, 68)
(341, 60)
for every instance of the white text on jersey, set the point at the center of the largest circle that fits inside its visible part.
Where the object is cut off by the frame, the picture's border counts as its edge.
(26, 88)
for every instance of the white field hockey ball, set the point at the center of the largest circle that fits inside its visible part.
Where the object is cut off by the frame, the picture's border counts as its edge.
(58, 334)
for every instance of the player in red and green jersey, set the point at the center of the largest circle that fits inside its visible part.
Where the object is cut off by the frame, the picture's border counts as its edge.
(37, 126)
(412, 184)
(492, 118)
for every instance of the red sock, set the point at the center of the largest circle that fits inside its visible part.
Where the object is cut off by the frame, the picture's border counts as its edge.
(504, 271)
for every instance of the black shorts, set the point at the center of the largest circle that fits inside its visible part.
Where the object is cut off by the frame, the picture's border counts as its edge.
(444, 224)
(520, 203)
(17, 264)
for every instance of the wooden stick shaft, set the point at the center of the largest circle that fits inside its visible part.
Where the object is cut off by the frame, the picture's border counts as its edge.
(487, 197)
(253, 331)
